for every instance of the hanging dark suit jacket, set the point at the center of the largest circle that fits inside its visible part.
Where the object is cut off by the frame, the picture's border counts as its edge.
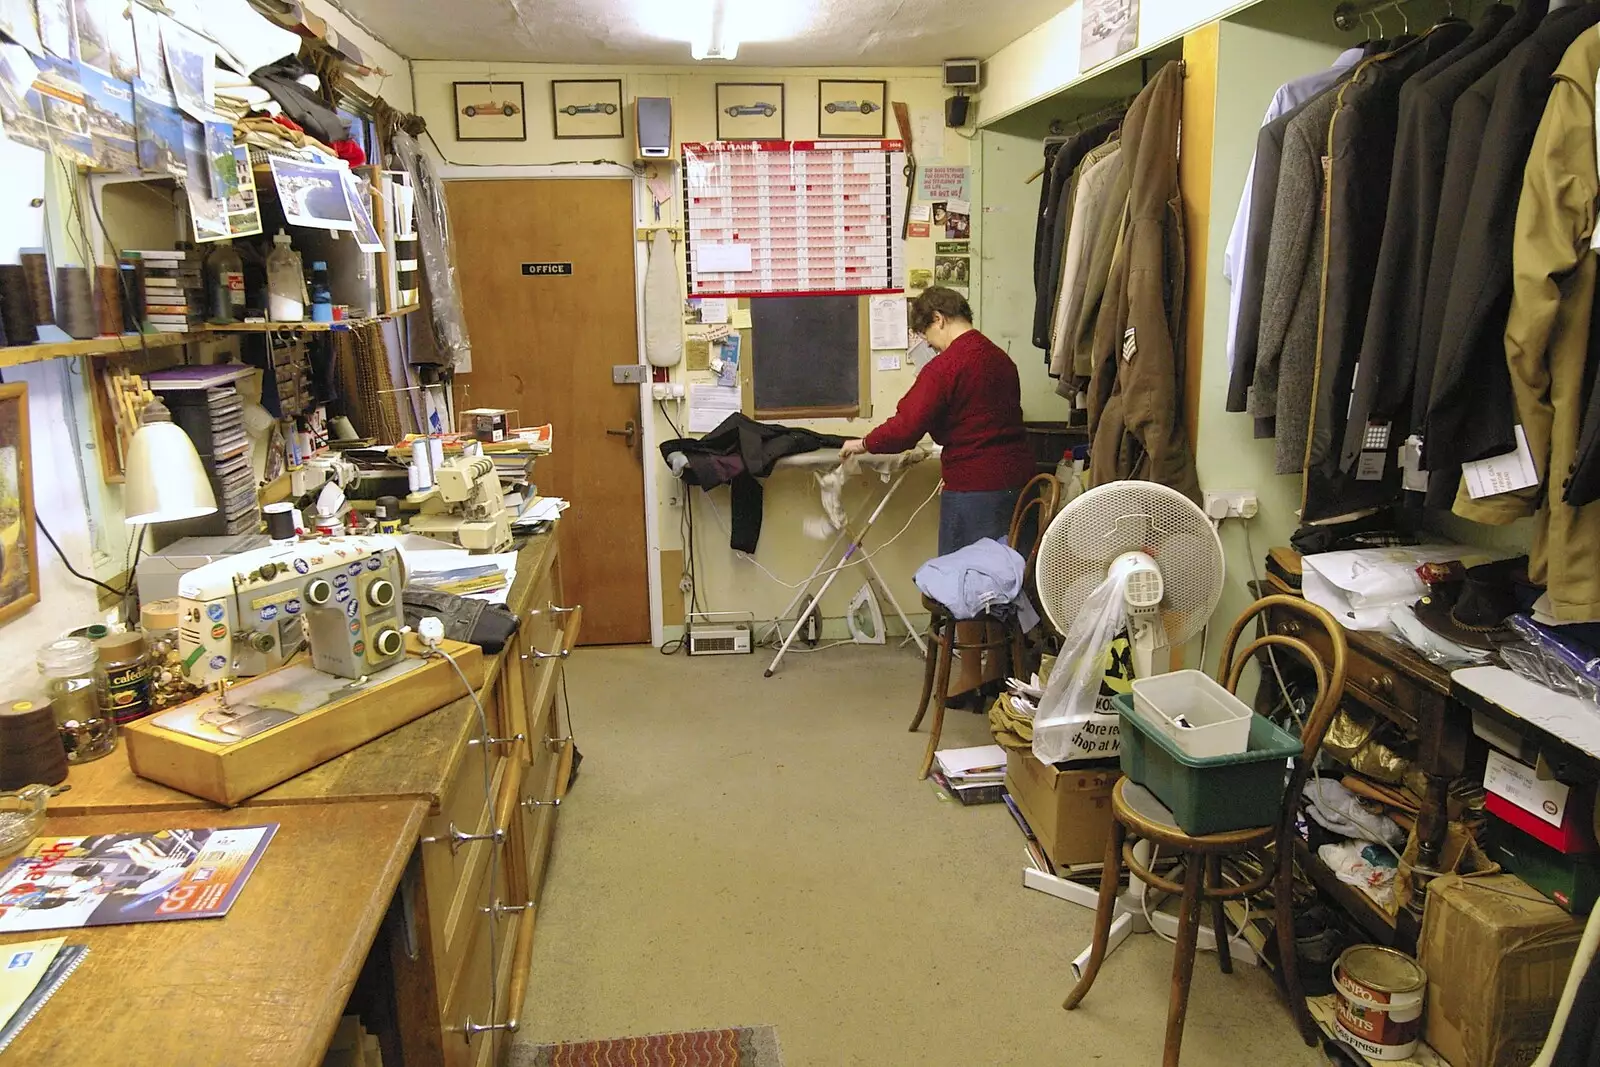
(1394, 321)
(736, 453)
(1140, 432)
(1050, 237)
(1361, 139)
(1470, 408)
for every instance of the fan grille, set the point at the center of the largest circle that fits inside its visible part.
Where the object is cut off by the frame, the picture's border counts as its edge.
(1132, 516)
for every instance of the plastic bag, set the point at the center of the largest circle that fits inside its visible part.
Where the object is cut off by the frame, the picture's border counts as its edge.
(433, 232)
(1070, 697)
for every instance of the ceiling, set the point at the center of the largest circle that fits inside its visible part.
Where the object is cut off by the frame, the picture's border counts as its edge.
(773, 33)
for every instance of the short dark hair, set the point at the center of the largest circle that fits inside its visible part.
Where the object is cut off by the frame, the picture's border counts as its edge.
(941, 301)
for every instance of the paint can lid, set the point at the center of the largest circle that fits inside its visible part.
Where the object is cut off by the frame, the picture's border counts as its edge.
(1383, 969)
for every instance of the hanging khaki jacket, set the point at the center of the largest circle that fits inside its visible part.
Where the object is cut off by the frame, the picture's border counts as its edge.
(1547, 336)
(1140, 431)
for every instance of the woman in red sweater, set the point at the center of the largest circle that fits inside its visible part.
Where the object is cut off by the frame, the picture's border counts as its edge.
(969, 399)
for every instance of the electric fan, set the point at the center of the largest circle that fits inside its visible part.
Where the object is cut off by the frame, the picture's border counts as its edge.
(1171, 557)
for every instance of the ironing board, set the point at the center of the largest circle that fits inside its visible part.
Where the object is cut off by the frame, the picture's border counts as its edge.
(894, 469)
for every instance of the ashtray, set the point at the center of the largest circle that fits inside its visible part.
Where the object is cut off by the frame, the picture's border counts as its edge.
(21, 814)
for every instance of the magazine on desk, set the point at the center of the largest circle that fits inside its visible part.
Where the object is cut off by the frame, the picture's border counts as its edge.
(110, 879)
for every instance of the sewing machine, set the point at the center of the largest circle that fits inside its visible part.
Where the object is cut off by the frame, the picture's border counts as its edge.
(247, 614)
(466, 505)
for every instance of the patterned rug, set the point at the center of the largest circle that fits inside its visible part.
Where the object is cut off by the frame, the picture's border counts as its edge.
(745, 1046)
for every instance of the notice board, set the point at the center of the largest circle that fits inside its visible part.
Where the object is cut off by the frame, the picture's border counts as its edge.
(794, 217)
(809, 357)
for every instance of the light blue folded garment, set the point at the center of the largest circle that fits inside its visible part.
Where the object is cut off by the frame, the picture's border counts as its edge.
(982, 578)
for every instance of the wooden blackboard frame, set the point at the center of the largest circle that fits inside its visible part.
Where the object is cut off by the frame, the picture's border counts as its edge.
(861, 409)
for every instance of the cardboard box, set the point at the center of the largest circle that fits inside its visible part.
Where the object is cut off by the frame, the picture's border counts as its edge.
(1068, 807)
(1497, 955)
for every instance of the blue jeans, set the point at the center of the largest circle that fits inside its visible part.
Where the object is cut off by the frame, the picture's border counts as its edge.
(968, 517)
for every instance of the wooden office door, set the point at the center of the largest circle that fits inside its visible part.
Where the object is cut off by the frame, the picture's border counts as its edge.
(544, 344)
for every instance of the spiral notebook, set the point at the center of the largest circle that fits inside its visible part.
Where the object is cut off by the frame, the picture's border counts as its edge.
(64, 961)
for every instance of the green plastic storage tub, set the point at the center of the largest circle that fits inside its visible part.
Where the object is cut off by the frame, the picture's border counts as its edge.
(1211, 794)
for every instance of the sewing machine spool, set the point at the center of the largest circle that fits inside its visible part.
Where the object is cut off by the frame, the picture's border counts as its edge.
(231, 771)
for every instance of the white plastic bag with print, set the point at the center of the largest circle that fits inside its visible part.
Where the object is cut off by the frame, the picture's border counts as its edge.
(1069, 724)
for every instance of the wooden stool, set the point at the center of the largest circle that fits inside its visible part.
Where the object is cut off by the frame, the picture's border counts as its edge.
(1138, 815)
(1041, 495)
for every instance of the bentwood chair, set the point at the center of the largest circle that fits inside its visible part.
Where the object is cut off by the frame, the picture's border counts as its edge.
(998, 637)
(1138, 815)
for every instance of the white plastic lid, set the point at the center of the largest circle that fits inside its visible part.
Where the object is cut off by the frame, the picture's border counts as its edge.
(68, 657)
(281, 239)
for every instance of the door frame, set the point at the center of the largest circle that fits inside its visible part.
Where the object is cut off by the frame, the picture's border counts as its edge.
(606, 172)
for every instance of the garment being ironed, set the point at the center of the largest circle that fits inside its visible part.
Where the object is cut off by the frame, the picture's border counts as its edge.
(736, 453)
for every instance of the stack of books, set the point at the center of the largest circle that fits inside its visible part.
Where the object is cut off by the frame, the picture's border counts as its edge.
(174, 289)
(972, 775)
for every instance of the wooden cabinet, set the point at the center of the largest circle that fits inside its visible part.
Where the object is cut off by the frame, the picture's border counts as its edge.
(460, 946)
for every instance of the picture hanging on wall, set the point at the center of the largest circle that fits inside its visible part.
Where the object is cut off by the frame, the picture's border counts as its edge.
(587, 108)
(851, 109)
(490, 111)
(1110, 28)
(19, 544)
(749, 111)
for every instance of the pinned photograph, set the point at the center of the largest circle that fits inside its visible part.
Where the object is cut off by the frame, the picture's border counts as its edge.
(18, 22)
(19, 545)
(21, 109)
(1110, 28)
(312, 194)
(153, 80)
(111, 127)
(220, 162)
(160, 127)
(490, 111)
(66, 115)
(359, 195)
(749, 111)
(192, 68)
(244, 209)
(851, 108)
(92, 19)
(587, 109)
(957, 226)
(208, 215)
(56, 29)
(952, 270)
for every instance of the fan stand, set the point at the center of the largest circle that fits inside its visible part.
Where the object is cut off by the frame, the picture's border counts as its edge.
(1151, 656)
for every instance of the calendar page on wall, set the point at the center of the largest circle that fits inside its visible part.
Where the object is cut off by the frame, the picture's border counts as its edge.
(794, 217)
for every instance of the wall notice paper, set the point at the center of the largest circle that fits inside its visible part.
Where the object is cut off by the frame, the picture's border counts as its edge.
(722, 258)
(1501, 474)
(942, 183)
(709, 405)
(312, 194)
(713, 310)
(697, 354)
(888, 322)
(921, 212)
(739, 319)
(889, 362)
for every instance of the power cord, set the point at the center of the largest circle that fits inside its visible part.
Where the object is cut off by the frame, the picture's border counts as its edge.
(120, 594)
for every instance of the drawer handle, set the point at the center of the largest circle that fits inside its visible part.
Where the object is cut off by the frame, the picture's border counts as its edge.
(556, 744)
(455, 838)
(471, 1028)
(514, 739)
(556, 610)
(498, 909)
(535, 654)
(1382, 684)
(531, 803)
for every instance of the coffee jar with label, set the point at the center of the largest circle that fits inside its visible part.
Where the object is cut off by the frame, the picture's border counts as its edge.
(126, 662)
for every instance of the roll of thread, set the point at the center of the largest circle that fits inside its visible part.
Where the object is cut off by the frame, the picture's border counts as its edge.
(133, 293)
(108, 300)
(422, 464)
(75, 303)
(435, 457)
(16, 306)
(280, 521)
(30, 745)
(36, 265)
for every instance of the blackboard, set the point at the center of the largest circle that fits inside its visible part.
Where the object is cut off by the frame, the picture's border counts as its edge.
(808, 356)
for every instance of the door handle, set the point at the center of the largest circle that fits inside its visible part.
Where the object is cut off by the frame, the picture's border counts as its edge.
(630, 431)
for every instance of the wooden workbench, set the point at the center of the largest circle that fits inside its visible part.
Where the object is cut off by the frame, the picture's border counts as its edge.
(479, 866)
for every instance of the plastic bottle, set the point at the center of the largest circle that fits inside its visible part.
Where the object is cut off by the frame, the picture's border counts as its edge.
(224, 284)
(1069, 472)
(286, 283)
(321, 295)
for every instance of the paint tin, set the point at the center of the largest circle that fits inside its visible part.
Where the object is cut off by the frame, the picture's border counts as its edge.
(1380, 1001)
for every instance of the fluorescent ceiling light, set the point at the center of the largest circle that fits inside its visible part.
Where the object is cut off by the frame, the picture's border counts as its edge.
(716, 28)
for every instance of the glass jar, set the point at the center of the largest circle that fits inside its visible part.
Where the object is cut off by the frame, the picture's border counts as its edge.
(127, 669)
(77, 690)
(159, 621)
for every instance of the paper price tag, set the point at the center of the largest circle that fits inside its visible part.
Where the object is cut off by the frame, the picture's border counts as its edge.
(1501, 474)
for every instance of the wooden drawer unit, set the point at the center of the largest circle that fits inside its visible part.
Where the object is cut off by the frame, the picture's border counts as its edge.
(1382, 686)
(454, 867)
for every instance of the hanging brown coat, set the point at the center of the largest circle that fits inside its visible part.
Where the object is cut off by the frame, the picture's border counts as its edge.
(1139, 336)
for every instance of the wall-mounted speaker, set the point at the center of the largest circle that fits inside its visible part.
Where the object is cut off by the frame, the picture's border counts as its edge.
(955, 111)
(652, 127)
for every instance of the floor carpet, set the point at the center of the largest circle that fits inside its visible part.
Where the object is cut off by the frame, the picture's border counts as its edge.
(739, 848)
(748, 1046)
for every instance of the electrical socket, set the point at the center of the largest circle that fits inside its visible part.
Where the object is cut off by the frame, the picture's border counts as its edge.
(1232, 504)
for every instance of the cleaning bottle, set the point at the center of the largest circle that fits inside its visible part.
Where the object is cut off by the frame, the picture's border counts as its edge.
(224, 284)
(321, 295)
(286, 283)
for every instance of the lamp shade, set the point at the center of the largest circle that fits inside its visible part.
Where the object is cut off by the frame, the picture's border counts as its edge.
(165, 479)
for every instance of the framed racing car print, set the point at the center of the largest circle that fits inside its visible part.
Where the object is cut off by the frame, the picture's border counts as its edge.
(851, 109)
(587, 108)
(749, 111)
(490, 111)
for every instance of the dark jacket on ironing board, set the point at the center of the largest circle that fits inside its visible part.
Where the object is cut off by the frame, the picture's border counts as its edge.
(736, 453)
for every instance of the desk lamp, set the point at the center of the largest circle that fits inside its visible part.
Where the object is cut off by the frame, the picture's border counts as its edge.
(165, 479)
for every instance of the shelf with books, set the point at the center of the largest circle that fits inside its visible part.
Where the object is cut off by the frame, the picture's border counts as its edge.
(298, 327)
(15, 355)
